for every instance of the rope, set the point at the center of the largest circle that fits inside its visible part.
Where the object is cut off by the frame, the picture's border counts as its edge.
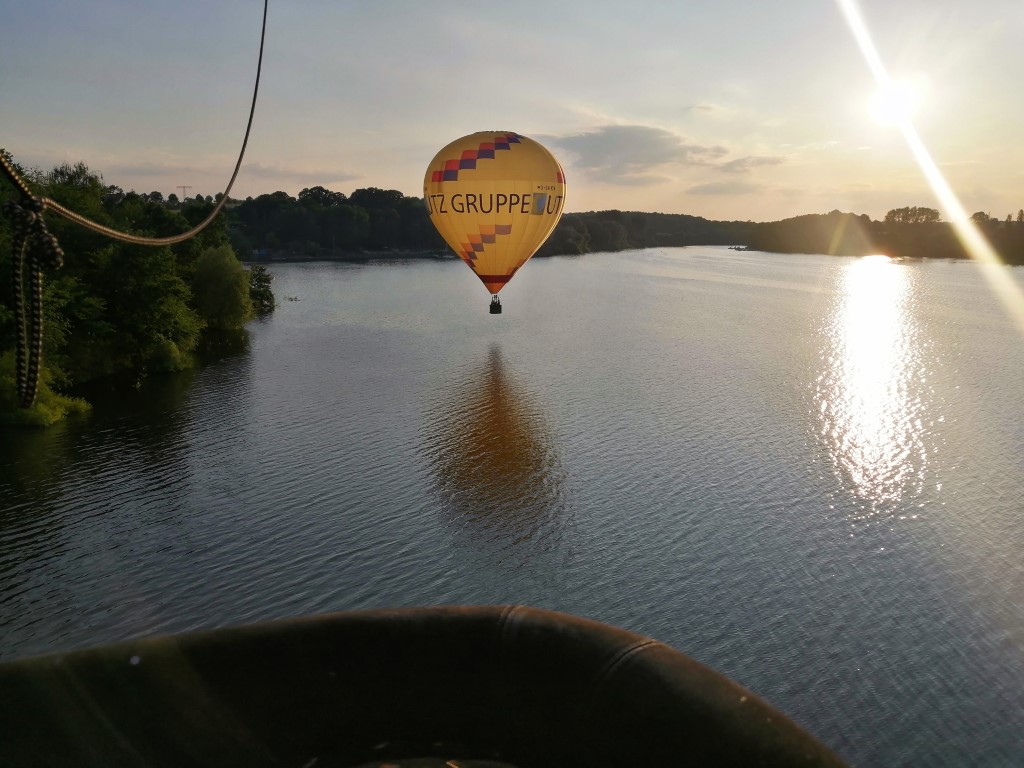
(35, 247)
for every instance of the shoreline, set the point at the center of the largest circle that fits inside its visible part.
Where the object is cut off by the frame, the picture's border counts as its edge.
(355, 256)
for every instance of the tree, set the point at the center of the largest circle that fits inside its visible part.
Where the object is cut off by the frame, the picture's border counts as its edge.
(980, 218)
(1020, 216)
(372, 197)
(148, 304)
(220, 289)
(383, 224)
(912, 215)
(607, 234)
(570, 237)
(347, 226)
(260, 295)
(321, 196)
(49, 406)
(77, 188)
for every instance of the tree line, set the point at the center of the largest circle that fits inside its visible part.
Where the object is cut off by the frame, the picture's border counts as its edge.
(911, 232)
(118, 308)
(320, 223)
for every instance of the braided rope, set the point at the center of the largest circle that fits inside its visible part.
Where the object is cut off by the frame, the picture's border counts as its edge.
(35, 247)
(18, 299)
(35, 341)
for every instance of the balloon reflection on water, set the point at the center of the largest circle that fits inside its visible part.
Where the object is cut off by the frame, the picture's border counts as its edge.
(496, 465)
(871, 394)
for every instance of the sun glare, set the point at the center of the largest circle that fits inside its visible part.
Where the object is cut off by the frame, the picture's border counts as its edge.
(897, 100)
(974, 242)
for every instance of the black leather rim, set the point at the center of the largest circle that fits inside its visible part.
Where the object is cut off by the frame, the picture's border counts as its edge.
(526, 686)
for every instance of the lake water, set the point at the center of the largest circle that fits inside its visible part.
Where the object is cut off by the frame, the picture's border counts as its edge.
(804, 471)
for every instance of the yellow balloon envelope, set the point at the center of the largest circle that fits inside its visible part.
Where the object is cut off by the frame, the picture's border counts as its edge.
(494, 196)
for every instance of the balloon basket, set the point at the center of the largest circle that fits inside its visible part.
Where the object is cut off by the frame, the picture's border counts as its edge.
(495, 306)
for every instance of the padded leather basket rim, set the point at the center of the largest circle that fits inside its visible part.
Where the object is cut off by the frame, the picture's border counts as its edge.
(526, 686)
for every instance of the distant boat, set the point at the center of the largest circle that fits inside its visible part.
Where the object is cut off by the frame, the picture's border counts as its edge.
(515, 685)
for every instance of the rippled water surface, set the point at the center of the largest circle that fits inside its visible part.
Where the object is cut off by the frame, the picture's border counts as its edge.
(806, 472)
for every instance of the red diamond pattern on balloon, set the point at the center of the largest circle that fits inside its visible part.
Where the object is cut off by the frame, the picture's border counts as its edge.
(475, 243)
(467, 162)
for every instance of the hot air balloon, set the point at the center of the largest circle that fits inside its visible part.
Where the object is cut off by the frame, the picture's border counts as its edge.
(494, 196)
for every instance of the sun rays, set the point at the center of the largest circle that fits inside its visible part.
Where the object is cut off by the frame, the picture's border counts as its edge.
(900, 114)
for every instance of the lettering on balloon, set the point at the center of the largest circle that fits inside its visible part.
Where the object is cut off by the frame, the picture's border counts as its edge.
(537, 203)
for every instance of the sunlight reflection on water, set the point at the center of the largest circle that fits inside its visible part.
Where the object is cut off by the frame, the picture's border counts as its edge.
(870, 395)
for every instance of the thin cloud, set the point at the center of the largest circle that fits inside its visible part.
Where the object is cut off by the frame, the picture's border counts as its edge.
(157, 169)
(283, 172)
(747, 164)
(629, 154)
(820, 145)
(725, 188)
(256, 170)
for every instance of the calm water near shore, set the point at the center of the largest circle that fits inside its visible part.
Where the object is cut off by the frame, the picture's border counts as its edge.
(804, 471)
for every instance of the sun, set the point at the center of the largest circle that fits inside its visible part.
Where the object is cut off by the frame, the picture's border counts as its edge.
(897, 101)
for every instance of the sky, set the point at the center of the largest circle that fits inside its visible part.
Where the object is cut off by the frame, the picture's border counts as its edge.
(728, 109)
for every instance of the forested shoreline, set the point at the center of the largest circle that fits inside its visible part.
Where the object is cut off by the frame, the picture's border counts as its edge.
(116, 308)
(912, 232)
(131, 309)
(321, 224)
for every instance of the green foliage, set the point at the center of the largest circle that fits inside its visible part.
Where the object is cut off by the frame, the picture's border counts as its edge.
(319, 196)
(372, 197)
(162, 355)
(78, 336)
(613, 230)
(260, 293)
(148, 305)
(117, 307)
(213, 236)
(321, 222)
(220, 289)
(49, 406)
(835, 233)
(903, 233)
(570, 238)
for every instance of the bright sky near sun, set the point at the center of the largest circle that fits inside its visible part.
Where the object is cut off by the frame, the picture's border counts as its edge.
(732, 109)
